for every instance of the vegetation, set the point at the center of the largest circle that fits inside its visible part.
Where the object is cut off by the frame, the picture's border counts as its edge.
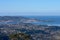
(20, 36)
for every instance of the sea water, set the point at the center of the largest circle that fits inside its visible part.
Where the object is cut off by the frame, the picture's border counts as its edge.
(51, 20)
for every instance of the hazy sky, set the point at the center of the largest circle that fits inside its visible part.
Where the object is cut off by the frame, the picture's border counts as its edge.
(30, 7)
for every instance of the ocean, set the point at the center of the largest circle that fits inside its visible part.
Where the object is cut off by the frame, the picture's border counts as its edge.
(50, 20)
(46, 20)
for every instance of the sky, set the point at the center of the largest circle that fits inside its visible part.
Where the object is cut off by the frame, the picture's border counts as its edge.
(29, 7)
